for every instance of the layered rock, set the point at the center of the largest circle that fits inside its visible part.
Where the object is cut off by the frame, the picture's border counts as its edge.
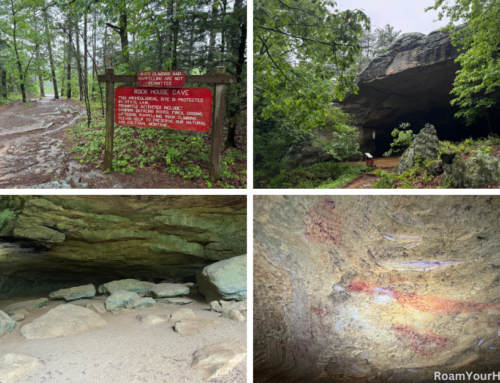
(415, 76)
(424, 147)
(73, 293)
(95, 239)
(375, 288)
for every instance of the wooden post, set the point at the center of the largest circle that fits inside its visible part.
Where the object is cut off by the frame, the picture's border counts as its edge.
(220, 94)
(110, 119)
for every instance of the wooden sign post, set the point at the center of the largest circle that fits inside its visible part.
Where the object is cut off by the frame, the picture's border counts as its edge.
(220, 79)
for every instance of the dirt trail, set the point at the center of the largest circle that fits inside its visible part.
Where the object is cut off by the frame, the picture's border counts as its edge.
(33, 152)
(367, 180)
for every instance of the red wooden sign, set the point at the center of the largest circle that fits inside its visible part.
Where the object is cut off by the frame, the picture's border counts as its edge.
(161, 79)
(180, 109)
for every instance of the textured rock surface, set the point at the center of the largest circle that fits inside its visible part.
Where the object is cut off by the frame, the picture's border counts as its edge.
(220, 306)
(126, 284)
(14, 366)
(218, 359)
(140, 303)
(120, 299)
(97, 239)
(188, 327)
(63, 320)
(375, 288)
(17, 317)
(233, 314)
(474, 172)
(424, 146)
(165, 290)
(97, 307)
(182, 314)
(26, 305)
(224, 280)
(175, 301)
(73, 293)
(7, 323)
(415, 75)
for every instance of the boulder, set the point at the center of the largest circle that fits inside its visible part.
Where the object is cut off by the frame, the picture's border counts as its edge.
(7, 324)
(414, 77)
(26, 305)
(14, 366)
(182, 314)
(478, 170)
(220, 306)
(224, 280)
(140, 303)
(424, 147)
(218, 359)
(127, 285)
(188, 327)
(120, 299)
(63, 320)
(164, 290)
(233, 314)
(175, 301)
(97, 307)
(23, 312)
(73, 293)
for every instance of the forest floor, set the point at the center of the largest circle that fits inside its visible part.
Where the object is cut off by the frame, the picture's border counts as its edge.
(33, 153)
(124, 350)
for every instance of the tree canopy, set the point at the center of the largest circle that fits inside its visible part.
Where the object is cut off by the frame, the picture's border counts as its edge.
(477, 84)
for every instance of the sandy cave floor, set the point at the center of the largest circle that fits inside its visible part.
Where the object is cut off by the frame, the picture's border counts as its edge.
(125, 350)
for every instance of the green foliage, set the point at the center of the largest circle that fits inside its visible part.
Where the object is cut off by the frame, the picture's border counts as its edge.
(273, 139)
(324, 175)
(176, 152)
(477, 84)
(299, 47)
(403, 139)
(375, 43)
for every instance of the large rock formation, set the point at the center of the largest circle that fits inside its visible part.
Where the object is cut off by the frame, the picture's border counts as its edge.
(375, 288)
(67, 241)
(413, 78)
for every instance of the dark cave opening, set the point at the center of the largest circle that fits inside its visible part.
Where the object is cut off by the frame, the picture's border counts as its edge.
(449, 128)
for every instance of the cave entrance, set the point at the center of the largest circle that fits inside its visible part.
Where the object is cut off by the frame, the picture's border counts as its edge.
(448, 127)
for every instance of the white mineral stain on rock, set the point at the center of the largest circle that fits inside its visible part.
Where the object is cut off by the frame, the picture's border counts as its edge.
(480, 342)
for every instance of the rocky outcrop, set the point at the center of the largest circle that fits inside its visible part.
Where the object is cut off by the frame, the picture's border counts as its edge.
(414, 76)
(165, 290)
(71, 240)
(375, 288)
(7, 324)
(120, 299)
(126, 284)
(224, 280)
(26, 305)
(73, 293)
(63, 320)
(478, 170)
(424, 147)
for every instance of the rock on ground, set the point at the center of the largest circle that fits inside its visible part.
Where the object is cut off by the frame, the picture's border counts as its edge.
(153, 319)
(7, 324)
(73, 293)
(224, 280)
(139, 303)
(26, 305)
(188, 327)
(182, 314)
(13, 366)
(126, 284)
(165, 290)
(218, 359)
(63, 320)
(233, 314)
(97, 307)
(220, 306)
(424, 147)
(175, 301)
(17, 317)
(120, 299)
(478, 170)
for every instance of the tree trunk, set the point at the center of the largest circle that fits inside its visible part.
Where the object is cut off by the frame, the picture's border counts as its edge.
(51, 58)
(4, 83)
(40, 79)
(94, 43)
(124, 36)
(213, 32)
(78, 59)
(68, 91)
(18, 60)
(85, 59)
(233, 110)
